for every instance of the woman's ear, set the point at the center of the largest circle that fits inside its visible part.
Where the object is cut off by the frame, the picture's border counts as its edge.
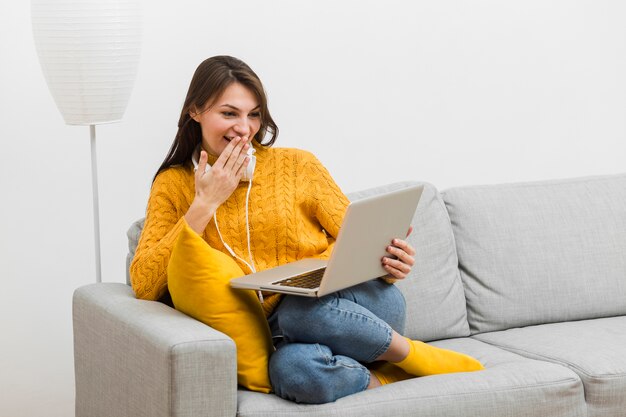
(194, 114)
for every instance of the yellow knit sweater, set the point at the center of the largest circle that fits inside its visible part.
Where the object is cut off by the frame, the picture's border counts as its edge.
(295, 211)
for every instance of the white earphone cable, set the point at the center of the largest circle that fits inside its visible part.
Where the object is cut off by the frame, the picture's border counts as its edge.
(248, 227)
(230, 250)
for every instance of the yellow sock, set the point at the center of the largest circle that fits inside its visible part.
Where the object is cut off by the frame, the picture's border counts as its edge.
(425, 360)
(388, 373)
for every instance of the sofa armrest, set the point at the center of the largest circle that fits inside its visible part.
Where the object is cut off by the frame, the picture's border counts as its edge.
(142, 358)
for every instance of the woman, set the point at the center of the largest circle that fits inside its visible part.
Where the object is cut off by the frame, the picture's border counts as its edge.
(289, 210)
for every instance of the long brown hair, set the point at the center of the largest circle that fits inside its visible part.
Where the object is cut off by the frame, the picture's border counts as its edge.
(208, 83)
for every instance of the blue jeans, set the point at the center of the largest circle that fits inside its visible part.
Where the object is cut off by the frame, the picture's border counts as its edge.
(322, 343)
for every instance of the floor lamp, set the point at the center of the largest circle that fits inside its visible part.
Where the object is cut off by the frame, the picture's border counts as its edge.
(89, 52)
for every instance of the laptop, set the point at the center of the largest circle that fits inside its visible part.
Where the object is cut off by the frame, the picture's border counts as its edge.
(368, 227)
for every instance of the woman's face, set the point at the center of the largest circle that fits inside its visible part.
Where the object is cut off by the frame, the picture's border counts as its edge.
(235, 113)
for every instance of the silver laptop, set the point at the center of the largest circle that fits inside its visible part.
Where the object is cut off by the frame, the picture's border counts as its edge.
(368, 227)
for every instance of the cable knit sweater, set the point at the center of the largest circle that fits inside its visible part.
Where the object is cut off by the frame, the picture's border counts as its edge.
(295, 211)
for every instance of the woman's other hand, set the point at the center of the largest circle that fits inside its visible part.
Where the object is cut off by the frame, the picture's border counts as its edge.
(399, 264)
(215, 186)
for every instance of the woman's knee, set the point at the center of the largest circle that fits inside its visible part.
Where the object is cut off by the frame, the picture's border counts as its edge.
(384, 300)
(294, 374)
(309, 373)
(395, 314)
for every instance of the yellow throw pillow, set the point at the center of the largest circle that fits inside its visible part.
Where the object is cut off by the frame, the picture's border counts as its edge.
(198, 280)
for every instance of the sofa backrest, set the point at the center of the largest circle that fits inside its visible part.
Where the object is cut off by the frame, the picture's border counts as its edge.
(133, 233)
(433, 290)
(541, 252)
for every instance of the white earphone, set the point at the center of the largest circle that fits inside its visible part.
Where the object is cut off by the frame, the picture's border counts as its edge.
(247, 176)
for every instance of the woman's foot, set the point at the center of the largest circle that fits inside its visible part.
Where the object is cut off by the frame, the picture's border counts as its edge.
(424, 359)
(385, 373)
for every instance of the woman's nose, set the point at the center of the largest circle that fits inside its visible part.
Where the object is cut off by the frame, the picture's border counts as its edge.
(242, 128)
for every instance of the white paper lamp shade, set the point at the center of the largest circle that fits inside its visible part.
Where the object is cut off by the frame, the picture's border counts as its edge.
(89, 52)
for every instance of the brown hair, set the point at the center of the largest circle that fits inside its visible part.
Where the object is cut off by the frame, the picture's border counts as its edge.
(209, 81)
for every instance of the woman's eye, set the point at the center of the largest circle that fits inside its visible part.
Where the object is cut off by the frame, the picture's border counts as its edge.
(255, 115)
(228, 114)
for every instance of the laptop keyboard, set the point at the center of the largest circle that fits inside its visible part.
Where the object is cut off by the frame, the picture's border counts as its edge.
(307, 280)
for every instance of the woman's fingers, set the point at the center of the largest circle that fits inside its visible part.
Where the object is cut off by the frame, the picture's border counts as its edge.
(243, 166)
(223, 158)
(242, 160)
(202, 163)
(227, 169)
(404, 260)
(396, 268)
(397, 264)
(228, 152)
(404, 245)
(401, 249)
(236, 154)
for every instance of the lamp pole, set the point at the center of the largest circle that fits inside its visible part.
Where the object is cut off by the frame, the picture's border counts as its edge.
(96, 210)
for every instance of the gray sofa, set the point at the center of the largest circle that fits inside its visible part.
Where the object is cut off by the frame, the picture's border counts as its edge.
(529, 278)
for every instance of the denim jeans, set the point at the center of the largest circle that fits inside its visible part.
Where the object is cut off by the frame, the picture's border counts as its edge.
(322, 343)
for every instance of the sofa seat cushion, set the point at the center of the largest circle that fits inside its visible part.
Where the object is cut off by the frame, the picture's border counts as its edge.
(594, 349)
(511, 386)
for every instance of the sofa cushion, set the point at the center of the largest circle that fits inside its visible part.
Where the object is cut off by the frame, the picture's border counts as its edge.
(199, 281)
(511, 386)
(543, 252)
(433, 290)
(594, 349)
(133, 233)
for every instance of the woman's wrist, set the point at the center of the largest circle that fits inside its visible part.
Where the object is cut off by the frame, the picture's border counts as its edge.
(199, 215)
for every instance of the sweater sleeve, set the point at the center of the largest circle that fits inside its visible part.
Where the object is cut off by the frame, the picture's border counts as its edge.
(330, 202)
(164, 221)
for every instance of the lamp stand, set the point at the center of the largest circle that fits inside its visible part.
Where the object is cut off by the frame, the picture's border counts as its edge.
(96, 211)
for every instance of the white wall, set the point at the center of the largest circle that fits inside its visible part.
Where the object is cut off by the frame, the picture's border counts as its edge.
(452, 92)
